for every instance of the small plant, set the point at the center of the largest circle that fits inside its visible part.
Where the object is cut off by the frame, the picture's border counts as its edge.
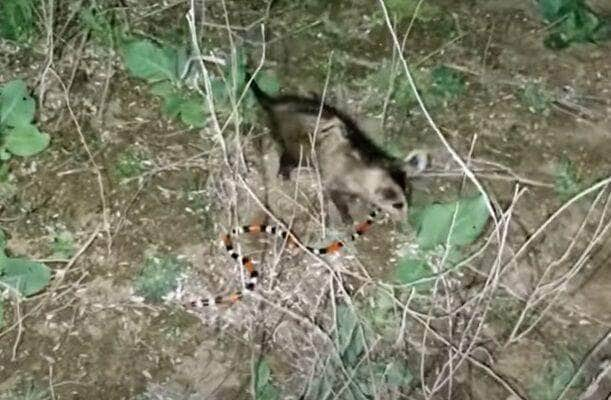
(438, 87)
(21, 276)
(390, 375)
(158, 276)
(264, 388)
(63, 244)
(439, 225)
(556, 374)
(567, 181)
(101, 25)
(536, 98)
(18, 135)
(130, 163)
(26, 389)
(404, 9)
(572, 21)
(446, 84)
(163, 67)
(17, 19)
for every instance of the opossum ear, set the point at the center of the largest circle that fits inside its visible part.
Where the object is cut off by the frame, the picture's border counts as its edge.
(416, 162)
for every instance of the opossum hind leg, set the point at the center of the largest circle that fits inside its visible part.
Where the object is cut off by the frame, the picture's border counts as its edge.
(342, 201)
(287, 164)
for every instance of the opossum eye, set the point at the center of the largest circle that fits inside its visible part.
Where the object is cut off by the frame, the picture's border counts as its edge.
(398, 206)
(388, 193)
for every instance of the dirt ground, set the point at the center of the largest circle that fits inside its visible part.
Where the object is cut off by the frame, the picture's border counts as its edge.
(90, 336)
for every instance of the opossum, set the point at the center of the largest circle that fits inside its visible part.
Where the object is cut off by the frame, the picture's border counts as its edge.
(350, 164)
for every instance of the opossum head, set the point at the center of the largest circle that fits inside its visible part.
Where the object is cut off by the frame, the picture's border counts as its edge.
(386, 187)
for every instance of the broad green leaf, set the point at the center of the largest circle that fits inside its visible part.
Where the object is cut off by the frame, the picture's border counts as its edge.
(412, 269)
(398, 375)
(25, 140)
(16, 105)
(16, 19)
(28, 277)
(433, 222)
(163, 89)
(146, 60)
(264, 388)
(349, 335)
(192, 112)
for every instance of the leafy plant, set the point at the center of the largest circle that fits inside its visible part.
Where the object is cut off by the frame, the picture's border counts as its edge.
(536, 98)
(21, 276)
(16, 19)
(264, 388)
(446, 84)
(438, 87)
(439, 225)
(18, 135)
(162, 67)
(63, 244)
(572, 21)
(26, 389)
(391, 374)
(404, 9)
(100, 24)
(159, 276)
(567, 181)
(556, 374)
(130, 163)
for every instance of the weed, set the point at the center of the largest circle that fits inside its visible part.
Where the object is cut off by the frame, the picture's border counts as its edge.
(572, 21)
(404, 9)
(62, 245)
(567, 180)
(264, 388)
(26, 389)
(536, 98)
(556, 374)
(158, 276)
(20, 275)
(439, 86)
(446, 84)
(17, 20)
(18, 135)
(130, 163)
(101, 24)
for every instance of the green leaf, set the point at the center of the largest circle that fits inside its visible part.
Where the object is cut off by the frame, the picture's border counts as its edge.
(28, 277)
(16, 19)
(398, 375)
(163, 89)
(264, 388)
(146, 60)
(433, 222)
(25, 140)
(412, 269)
(16, 105)
(192, 112)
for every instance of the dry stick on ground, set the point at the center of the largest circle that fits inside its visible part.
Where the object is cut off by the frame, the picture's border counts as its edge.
(536, 296)
(313, 156)
(541, 229)
(577, 375)
(96, 168)
(58, 280)
(47, 14)
(441, 266)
